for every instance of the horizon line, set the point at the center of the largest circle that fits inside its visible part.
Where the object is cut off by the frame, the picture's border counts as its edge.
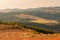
(30, 8)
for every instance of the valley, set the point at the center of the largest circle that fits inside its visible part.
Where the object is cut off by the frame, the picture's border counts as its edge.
(42, 23)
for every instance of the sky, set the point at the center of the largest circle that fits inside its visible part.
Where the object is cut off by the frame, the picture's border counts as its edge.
(24, 4)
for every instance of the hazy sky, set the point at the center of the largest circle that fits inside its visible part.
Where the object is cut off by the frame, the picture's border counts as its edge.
(23, 4)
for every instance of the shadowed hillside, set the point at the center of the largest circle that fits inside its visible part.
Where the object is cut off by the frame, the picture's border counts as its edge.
(14, 25)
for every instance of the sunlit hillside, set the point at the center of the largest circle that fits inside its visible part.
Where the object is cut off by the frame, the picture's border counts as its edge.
(30, 24)
(14, 31)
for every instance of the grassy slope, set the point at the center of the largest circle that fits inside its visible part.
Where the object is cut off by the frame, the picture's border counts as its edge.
(15, 31)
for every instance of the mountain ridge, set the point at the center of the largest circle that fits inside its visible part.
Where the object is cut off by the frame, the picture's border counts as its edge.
(31, 9)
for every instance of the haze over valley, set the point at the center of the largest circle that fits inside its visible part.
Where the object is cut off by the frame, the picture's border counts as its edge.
(29, 19)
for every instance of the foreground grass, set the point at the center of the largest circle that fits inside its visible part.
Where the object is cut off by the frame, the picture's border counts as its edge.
(26, 35)
(16, 31)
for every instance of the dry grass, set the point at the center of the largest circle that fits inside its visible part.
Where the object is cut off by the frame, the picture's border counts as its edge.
(26, 34)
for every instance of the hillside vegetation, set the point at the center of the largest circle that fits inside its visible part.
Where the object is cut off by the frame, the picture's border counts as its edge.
(15, 25)
(17, 31)
(30, 24)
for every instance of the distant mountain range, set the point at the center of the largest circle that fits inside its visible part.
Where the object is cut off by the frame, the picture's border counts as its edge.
(50, 13)
(40, 9)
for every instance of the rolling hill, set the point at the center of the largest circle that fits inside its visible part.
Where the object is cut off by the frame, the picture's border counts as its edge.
(49, 16)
